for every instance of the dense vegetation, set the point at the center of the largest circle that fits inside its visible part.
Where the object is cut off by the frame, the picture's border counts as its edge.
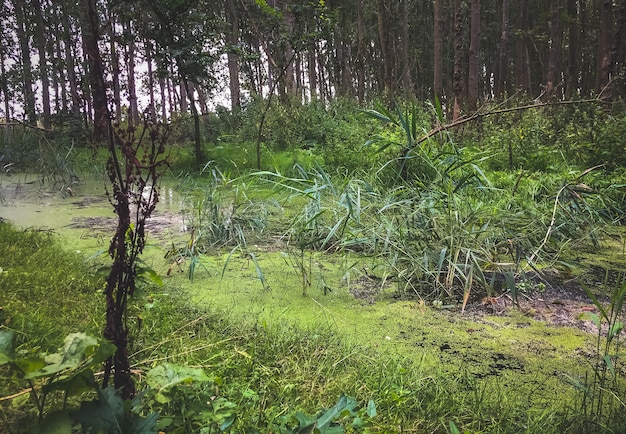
(490, 209)
(369, 237)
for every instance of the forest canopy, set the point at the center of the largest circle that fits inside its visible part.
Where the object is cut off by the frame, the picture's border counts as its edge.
(177, 56)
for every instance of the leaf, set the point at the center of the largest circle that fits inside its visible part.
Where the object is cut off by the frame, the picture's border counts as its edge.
(7, 346)
(596, 319)
(371, 408)
(377, 115)
(111, 414)
(74, 384)
(168, 375)
(329, 415)
(453, 428)
(103, 414)
(76, 348)
(58, 422)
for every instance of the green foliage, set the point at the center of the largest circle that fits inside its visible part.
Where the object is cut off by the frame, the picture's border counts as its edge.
(603, 392)
(70, 371)
(36, 268)
(109, 413)
(303, 134)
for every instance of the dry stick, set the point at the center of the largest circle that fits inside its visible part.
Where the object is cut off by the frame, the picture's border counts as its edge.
(479, 115)
(532, 257)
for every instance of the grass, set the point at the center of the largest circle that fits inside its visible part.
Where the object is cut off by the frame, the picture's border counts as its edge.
(270, 314)
(270, 353)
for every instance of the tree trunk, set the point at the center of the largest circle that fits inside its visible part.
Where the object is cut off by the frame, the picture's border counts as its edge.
(40, 40)
(474, 49)
(360, 54)
(522, 62)
(96, 70)
(152, 107)
(133, 112)
(555, 49)
(459, 77)
(385, 52)
(438, 50)
(69, 44)
(618, 52)
(501, 82)
(573, 67)
(407, 81)
(5, 85)
(233, 54)
(603, 62)
(27, 70)
(115, 70)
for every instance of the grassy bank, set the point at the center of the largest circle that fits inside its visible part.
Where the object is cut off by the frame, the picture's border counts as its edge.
(422, 367)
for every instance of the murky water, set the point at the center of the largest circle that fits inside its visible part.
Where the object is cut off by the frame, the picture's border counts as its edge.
(27, 201)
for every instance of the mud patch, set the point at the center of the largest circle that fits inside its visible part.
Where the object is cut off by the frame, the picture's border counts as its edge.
(161, 225)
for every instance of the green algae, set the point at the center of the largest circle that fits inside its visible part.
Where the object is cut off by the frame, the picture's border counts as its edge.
(513, 354)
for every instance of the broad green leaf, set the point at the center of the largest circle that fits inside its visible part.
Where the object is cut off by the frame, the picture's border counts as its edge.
(58, 422)
(7, 346)
(29, 365)
(616, 329)
(304, 421)
(167, 375)
(596, 319)
(609, 364)
(75, 384)
(329, 415)
(453, 428)
(371, 408)
(104, 414)
(76, 348)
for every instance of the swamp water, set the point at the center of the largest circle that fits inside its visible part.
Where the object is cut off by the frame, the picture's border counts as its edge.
(530, 356)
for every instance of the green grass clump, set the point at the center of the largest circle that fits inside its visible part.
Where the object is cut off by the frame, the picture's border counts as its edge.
(46, 291)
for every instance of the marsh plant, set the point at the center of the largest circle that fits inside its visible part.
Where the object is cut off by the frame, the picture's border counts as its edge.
(447, 232)
(218, 213)
(603, 390)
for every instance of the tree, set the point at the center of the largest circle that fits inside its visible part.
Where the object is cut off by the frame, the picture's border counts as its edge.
(232, 50)
(40, 41)
(99, 100)
(604, 44)
(23, 37)
(555, 49)
(438, 50)
(474, 48)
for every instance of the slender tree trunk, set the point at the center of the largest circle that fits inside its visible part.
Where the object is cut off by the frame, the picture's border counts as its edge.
(360, 55)
(438, 50)
(522, 62)
(603, 63)
(233, 54)
(407, 81)
(184, 107)
(573, 67)
(115, 70)
(71, 67)
(133, 112)
(163, 89)
(40, 40)
(148, 47)
(459, 78)
(5, 85)
(555, 50)
(27, 70)
(474, 49)
(618, 51)
(501, 82)
(96, 70)
(385, 52)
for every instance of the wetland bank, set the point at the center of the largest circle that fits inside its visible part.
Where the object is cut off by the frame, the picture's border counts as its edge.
(281, 322)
